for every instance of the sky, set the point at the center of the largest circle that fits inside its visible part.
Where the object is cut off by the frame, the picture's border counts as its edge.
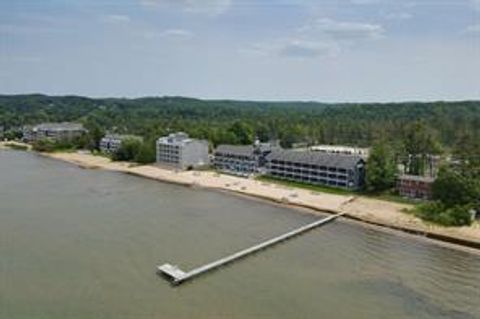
(310, 50)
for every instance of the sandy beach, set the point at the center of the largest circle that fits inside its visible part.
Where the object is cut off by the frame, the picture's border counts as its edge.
(371, 211)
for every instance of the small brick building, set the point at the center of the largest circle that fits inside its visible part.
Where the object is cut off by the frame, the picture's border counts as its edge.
(417, 187)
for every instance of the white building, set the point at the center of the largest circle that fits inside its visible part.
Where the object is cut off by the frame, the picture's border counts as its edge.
(180, 151)
(65, 131)
(340, 149)
(110, 143)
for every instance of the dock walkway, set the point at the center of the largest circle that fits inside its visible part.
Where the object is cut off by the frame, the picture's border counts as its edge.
(177, 276)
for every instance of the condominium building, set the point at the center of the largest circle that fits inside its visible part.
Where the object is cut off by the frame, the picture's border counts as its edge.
(54, 131)
(242, 160)
(236, 159)
(180, 151)
(416, 187)
(336, 170)
(110, 143)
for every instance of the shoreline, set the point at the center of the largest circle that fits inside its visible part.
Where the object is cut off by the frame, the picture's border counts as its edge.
(366, 211)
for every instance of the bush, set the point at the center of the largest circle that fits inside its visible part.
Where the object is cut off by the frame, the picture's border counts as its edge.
(146, 154)
(44, 145)
(436, 212)
(128, 151)
(18, 147)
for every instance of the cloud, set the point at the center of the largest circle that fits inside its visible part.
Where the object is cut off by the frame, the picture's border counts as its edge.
(363, 2)
(28, 30)
(338, 30)
(209, 7)
(176, 33)
(306, 49)
(320, 37)
(293, 48)
(116, 18)
(398, 16)
(476, 4)
(21, 58)
(169, 34)
(473, 30)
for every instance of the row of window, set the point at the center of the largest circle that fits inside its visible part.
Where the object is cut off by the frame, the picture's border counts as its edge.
(233, 161)
(167, 152)
(307, 166)
(237, 168)
(319, 181)
(230, 156)
(306, 172)
(169, 159)
(314, 176)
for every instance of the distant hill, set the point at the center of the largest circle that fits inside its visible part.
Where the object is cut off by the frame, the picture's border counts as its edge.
(229, 121)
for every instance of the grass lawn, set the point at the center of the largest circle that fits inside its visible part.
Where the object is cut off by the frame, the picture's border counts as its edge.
(316, 188)
(387, 196)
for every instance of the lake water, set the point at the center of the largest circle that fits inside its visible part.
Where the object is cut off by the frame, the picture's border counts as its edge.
(80, 243)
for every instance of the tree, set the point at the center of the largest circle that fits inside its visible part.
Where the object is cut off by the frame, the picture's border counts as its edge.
(452, 188)
(420, 142)
(95, 134)
(454, 194)
(146, 153)
(128, 151)
(381, 168)
(467, 152)
(243, 132)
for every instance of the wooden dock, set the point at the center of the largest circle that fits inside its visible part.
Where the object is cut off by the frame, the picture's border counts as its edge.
(177, 276)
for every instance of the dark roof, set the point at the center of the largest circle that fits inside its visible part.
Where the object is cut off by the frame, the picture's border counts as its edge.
(316, 158)
(239, 150)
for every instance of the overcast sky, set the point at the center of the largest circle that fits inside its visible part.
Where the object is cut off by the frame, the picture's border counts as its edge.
(323, 50)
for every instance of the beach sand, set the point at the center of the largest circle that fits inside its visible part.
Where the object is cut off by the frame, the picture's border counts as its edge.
(373, 211)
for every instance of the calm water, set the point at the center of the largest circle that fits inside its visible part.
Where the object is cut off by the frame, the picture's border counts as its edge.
(84, 244)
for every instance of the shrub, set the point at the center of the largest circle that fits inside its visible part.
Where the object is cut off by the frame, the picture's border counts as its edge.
(128, 151)
(44, 145)
(436, 212)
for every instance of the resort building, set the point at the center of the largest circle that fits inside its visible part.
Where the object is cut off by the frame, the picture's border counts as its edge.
(236, 159)
(242, 160)
(416, 187)
(110, 143)
(54, 131)
(182, 152)
(340, 149)
(335, 170)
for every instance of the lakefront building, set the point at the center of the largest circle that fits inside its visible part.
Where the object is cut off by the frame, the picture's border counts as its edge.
(236, 159)
(416, 187)
(318, 168)
(65, 131)
(241, 160)
(110, 143)
(180, 151)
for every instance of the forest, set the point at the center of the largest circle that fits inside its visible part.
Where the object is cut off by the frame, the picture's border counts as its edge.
(238, 122)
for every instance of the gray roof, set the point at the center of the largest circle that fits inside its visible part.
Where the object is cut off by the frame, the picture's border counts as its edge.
(122, 137)
(65, 126)
(239, 150)
(316, 158)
